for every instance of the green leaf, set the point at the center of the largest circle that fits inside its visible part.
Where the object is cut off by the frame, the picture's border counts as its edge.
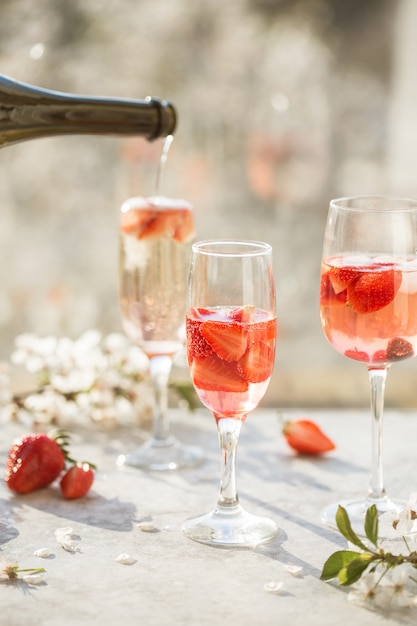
(344, 525)
(337, 562)
(371, 524)
(354, 570)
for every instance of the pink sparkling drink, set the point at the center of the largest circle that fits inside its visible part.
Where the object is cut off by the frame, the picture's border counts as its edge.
(231, 355)
(367, 308)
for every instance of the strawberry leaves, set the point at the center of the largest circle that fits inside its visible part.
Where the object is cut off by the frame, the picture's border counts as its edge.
(349, 565)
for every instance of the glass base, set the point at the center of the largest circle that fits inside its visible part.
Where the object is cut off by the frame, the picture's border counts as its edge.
(356, 510)
(163, 455)
(230, 528)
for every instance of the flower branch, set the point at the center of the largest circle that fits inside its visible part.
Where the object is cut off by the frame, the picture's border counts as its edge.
(377, 574)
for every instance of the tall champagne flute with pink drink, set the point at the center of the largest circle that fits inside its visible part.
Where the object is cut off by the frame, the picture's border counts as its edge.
(231, 333)
(368, 309)
(155, 243)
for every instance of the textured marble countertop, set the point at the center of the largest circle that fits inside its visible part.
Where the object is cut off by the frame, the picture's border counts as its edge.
(175, 581)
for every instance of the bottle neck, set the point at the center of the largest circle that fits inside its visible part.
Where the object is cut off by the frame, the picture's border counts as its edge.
(28, 112)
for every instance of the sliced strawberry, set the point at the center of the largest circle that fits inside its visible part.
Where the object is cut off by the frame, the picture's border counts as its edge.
(242, 313)
(357, 355)
(228, 340)
(133, 221)
(257, 363)
(185, 230)
(328, 296)
(196, 343)
(398, 349)
(372, 291)
(77, 481)
(340, 277)
(263, 331)
(306, 437)
(213, 374)
(200, 312)
(163, 221)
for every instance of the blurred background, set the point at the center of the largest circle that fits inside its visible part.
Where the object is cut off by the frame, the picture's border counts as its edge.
(283, 104)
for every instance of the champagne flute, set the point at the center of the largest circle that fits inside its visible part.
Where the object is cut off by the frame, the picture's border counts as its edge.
(231, 332)
(155, 243)
(368, 309)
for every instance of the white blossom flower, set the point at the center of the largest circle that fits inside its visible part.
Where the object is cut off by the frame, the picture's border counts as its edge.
(9, 572)
(365, 589)
(386, 524)
(104, 380)
(399, 523)
(115, 343)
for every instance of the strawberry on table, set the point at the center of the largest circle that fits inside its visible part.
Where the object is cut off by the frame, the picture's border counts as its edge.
(77, 481)
(34, 461)
(37, 460)
(306, 437)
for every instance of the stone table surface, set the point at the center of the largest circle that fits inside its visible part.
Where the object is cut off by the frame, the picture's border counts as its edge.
(176, 581)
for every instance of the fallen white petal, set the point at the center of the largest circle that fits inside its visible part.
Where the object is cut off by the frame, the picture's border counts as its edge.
(33, 579)
(69, 545)
(147, 527)
(43, 553)
(273, 586)
(125, 559)
(293, 569)
(61, 533)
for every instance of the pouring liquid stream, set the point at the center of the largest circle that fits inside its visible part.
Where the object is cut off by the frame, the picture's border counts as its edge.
(162, 164)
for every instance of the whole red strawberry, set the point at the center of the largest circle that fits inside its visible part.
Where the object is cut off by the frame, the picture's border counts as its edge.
(306, 437)
(77, 481)
(34, 462)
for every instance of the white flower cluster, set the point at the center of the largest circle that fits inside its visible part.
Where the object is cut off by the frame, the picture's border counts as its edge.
(390, 592)
(93, 378)
(392, 588)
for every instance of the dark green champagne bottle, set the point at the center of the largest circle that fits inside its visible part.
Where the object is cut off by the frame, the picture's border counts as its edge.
(29, 112)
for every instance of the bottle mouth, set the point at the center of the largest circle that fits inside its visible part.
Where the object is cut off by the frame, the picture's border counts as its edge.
(167, 118)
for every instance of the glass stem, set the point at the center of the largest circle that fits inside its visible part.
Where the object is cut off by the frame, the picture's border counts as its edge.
(377, 378)
(160, 369)
(229, 431)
